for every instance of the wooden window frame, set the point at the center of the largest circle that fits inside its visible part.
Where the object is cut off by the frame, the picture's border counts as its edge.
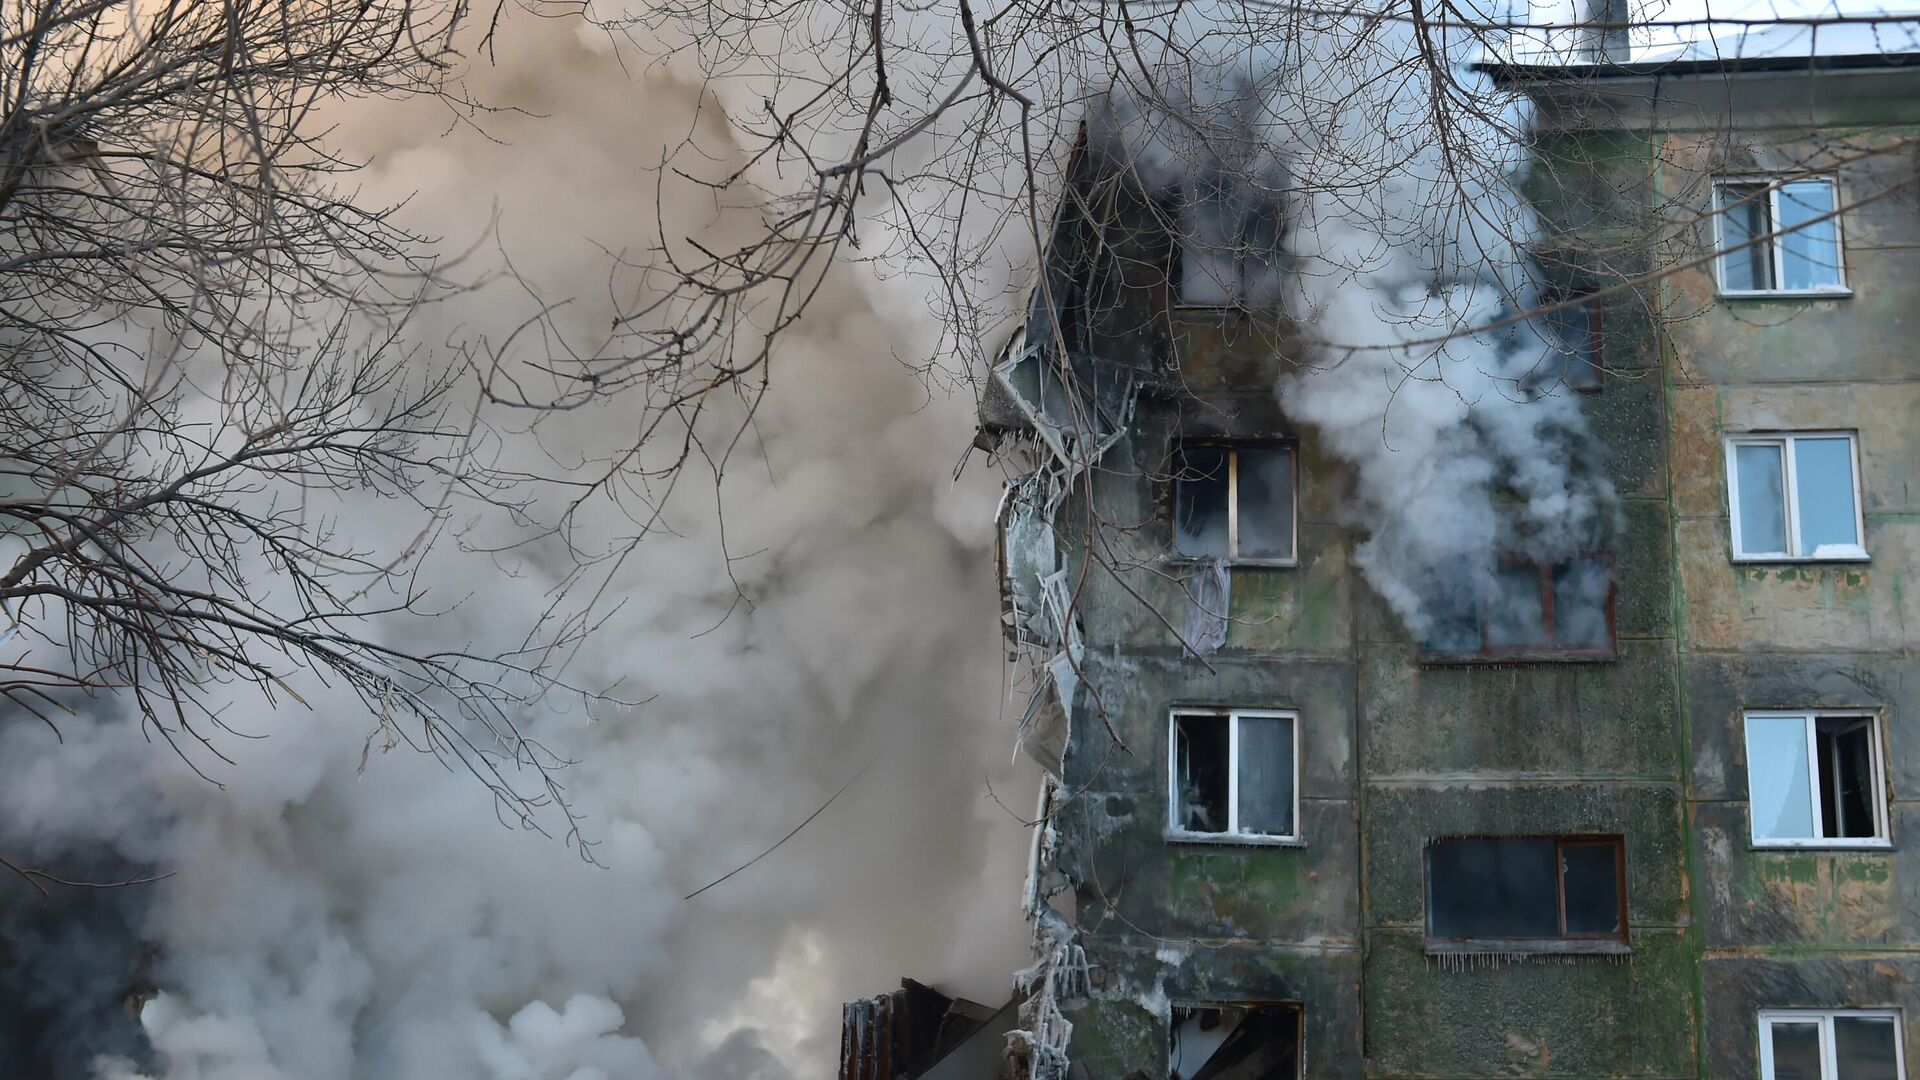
(1550, 652)
(1564, 942)
(1233, 449)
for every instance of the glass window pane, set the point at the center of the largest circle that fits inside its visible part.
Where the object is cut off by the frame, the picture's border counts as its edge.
(1266, 775)
(1266, 504)
(1865, 1047)
(1200, 501)
(1763, 502)
(1516, 614)
(1777, 783)
(1744, 216)
(1809, 254)
(1490, 888)
(1580, 591)
(1824, 474)
(1796, 1050)
(1592, 887)
(1200, 773)
(1844, 747)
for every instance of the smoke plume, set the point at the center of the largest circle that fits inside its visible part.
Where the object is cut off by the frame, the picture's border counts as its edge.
(341, 907)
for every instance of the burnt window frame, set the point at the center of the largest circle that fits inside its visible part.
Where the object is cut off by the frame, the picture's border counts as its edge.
(1564, 942)
(1176, 465)
(1540, 653)
(1882, 838)
(1297, 1008)
(1230, 715)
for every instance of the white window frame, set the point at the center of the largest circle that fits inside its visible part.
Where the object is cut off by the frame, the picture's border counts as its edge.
(1881, 838)
(1791, 494)
(1775, 185)
(1233, 450)
(1829, 1054)
(1233, 835)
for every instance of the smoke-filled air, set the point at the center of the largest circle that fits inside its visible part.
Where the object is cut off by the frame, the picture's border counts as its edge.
(810, 618)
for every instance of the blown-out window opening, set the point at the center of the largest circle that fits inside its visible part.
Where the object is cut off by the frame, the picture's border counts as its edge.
(1533, 611)
(1234, 1041)
(1235, 502)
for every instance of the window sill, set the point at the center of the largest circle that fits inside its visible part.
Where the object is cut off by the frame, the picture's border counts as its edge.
(1430, 658)
(1192, 561)
(1787, 294)
(1175, 836)
(1825, 843)
(1533, 946)
(1763, 560)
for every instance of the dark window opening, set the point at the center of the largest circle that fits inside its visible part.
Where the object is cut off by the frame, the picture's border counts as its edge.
(1573, 357)
(1538, 610)
(1234, 1042)
(1226, 244)
(1527, 888)
(1845, 748)
(1234, 503)
(1201, 766)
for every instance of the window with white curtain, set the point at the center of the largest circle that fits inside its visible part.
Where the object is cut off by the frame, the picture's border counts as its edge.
(1814, 779)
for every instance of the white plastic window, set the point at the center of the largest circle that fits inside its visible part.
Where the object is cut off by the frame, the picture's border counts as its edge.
(1778, 238)
(1795, 497)
(1233, 774)
(1831, 1044)
(1814, 780)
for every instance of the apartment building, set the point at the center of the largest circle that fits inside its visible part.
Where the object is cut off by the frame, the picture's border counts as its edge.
(1650, 814)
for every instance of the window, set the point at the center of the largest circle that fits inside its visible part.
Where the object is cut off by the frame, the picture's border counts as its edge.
(1814, 780)
(1526, 889)
(1227, 246)
(1234, 1042)
(1573, 344)
(1794, 497)
(1234, 503)
(1233, 775)
(1834, 1044)
(1558, 610)
(1778, 237)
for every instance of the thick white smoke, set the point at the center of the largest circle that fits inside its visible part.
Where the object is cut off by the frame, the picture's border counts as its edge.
(345, 909)
(1395, 168)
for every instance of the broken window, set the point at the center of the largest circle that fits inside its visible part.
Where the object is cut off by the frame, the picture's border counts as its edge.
(1779, 237)
(1831, 1044)
(1794, 497)
(1545, 610)
(1233, 774)
(1227, 244)
(1234, 503)
(1234, 1042)
(1526, 888)
(1813, 779)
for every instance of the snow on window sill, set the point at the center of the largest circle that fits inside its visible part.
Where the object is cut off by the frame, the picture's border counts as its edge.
(1823, 843)
(1826, 553)
(1829, 293)
(1177, 836)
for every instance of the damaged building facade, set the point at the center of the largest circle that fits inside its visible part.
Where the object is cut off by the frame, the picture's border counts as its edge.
(1657, 827)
